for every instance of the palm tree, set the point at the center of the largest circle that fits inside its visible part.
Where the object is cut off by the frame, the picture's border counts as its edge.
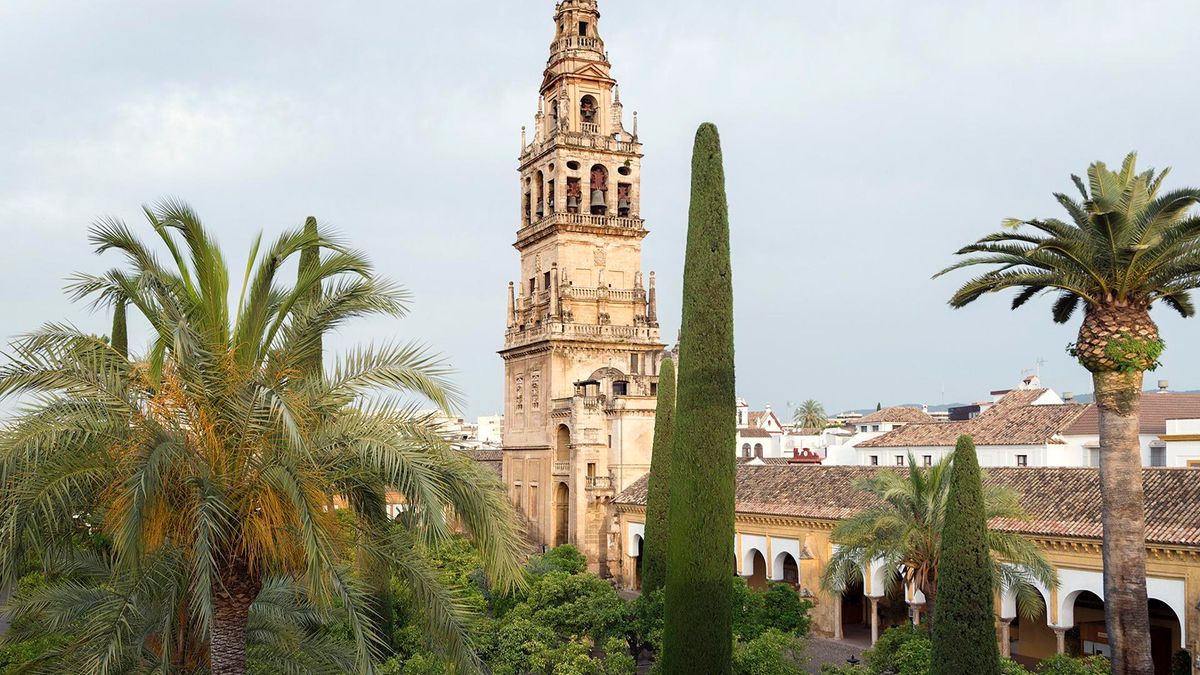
(1128, 245)
(810, 415)
(215, 446)
(904, 533)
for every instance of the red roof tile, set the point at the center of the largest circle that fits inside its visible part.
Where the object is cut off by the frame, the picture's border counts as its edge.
(1156, 410)
(1059, 501)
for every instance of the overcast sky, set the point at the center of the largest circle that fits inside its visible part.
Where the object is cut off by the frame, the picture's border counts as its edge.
(864, 142)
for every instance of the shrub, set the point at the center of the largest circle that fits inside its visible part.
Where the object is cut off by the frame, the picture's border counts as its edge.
(772, 653)
(1062, 664)
(885, 654)
(915, 657)
(1182, 663)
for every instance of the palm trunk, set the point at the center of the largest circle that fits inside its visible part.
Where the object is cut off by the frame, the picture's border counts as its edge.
(231, 609)
(1126, 613)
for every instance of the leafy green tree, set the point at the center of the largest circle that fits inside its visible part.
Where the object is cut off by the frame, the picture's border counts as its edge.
(905, 529)
(810, 415)
(698, 635)
(777, 608)
(771, 653)
(1128, 245)
(884, 655)
(964, 623)
(654, 552)
(208, 449)
(1061, 664)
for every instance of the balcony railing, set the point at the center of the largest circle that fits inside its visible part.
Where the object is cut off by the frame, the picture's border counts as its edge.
(586, 219)
(577, 42)
(587, 141)
(599, 482)
(610, 294)
(590, 127)
(550, 330)
(560, 468)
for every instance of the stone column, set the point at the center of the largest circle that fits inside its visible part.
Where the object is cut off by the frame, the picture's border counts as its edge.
(1005, 637)
(1060, 639)
(874, 620)
(915, 612)
(837, 618)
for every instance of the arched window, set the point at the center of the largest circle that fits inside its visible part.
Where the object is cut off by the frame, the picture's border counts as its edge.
(562, 450)
(599, 202)
(758, 450)
(540, 204)
(746, 450)
(587, 109)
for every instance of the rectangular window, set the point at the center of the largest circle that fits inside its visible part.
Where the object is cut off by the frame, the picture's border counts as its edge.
(633, 363)
(583, 29)
(654, 389)
(1022, 460)
(620, 388)
(899, 460)
(533, 501)
(875, 427)
(1094, 457)
(874, 460)
(546, 280)
(532, 286)
(928, 459)
(591, 468)
(1158, 456)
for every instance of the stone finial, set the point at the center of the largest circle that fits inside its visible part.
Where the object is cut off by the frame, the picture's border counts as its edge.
(652, 312)
(512, 305)
(635, 124)
(523, 143)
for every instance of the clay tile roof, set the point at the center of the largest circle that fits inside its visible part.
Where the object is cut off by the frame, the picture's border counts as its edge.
(1014, 420)
(1156, 410)
(760, 417)
(1060, 501)
(902, 415)
(754, 433)
(492, 458)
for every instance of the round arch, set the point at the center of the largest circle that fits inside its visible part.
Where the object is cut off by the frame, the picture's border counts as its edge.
(562, 444)
(562, 512)
(786, 569)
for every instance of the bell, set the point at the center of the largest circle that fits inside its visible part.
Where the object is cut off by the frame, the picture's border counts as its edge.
(623, 205)
(598, 199)
(572, 202)
(540, 212)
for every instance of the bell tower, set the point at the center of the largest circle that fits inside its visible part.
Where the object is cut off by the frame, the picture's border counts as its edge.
(582, 347)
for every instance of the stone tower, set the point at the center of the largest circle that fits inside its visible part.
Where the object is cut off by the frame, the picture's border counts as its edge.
(582, 349)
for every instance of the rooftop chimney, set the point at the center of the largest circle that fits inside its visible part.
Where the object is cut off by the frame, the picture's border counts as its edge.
(1068, 396)
(1163, 386)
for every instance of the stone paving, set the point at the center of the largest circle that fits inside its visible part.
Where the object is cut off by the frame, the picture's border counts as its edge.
(825, 650)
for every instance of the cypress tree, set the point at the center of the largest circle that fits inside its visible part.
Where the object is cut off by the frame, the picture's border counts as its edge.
(964, 628)
(698, 632)
(120, 329)
(654, 554)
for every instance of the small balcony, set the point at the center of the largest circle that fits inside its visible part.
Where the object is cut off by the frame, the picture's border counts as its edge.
(560, 468)
(599, 483)
(590, 127)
